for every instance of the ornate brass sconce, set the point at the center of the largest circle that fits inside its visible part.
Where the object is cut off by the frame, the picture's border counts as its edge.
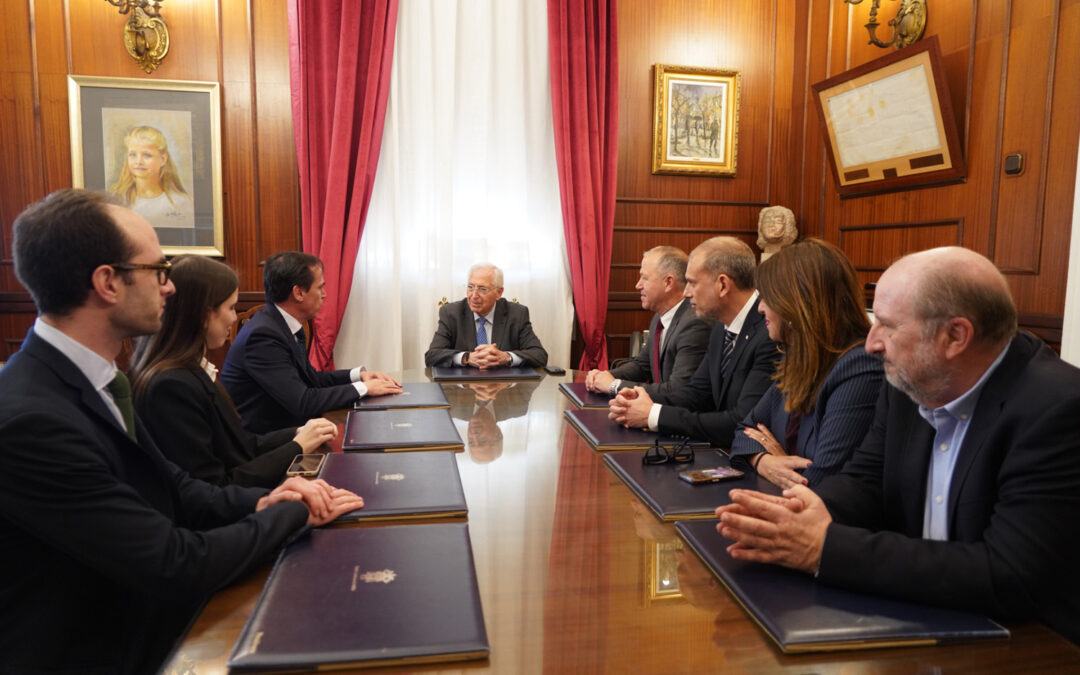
(146, 36)
(908, 24)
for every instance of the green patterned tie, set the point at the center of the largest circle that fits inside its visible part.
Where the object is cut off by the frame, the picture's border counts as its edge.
(120, 388)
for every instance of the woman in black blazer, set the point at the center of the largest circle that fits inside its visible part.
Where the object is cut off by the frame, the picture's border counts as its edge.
(178, 399)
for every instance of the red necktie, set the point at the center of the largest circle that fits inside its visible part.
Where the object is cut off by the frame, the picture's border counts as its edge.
(656, 351)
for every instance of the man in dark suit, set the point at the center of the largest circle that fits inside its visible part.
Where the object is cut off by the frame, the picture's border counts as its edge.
(677, 336)
(267, 371)
(964, 493)
(738, 365)
(108, 547)
(483, 330)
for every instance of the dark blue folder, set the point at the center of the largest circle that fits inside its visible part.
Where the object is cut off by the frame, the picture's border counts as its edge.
(455, 374)
(801, 615)
(582, 397)
(604, 435)
(413, 395)
(671, 498)
(368, 596)
(403, 429)
(398, 485)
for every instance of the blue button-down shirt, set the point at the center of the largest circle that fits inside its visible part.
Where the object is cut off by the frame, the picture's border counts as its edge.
(950, 422)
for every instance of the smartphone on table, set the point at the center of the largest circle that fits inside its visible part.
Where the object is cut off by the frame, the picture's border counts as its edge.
(698, 476)
(306, 466)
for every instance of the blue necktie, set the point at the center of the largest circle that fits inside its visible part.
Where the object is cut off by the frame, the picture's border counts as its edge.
(481, 331)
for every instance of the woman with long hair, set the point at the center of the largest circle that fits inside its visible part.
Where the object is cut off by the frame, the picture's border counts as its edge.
(149, 182)
(188, 414)
(824, 392)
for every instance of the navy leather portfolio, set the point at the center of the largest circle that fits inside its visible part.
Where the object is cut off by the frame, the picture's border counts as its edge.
(801, 615)
(582, 397)
(604, 435)
(404, 429)
(413, 395)
(377, 596)
(671, 498)
(455, 374)
(398, 485)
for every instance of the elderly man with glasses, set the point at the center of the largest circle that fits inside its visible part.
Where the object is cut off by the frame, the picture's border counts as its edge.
(483, 330)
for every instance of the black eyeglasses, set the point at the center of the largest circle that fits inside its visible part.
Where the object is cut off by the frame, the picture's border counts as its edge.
(162, 269)
(683, 453)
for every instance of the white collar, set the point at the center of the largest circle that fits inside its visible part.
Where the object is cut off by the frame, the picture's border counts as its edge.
(291, 321)
(209, 368)
(737, 323)
(96, 369)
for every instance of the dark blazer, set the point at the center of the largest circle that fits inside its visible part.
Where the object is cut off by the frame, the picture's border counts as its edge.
(513, 332)
(195, 425)
(1014, 502)
(271, 381)
(108, 547)
(833, 429)
(711, 405)
(682, 351)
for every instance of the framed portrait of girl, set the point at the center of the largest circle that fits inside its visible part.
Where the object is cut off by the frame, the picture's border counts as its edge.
(156, 146)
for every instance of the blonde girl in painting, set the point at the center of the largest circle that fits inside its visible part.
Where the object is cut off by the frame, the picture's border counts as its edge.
(149, 182)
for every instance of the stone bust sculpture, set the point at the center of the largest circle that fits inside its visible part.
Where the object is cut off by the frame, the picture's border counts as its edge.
(776, 229)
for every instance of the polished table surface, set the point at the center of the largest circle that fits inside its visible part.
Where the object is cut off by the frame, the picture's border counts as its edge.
(576, 575)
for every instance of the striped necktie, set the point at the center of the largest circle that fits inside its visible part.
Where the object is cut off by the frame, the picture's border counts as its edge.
(729, 349)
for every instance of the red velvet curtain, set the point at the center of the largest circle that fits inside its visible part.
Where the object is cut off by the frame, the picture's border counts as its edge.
(582, 44)
(340, 53)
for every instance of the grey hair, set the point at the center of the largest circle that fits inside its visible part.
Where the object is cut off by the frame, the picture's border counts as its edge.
(671, 261)
(947, 291)
(730, 256)
(488, 266)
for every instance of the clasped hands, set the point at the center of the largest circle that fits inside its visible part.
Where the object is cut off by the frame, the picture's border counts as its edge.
(488, 356)
(599, 381)
(788, 530)
(631, 408)
(775, 465)
(323, 501)
(380, 384)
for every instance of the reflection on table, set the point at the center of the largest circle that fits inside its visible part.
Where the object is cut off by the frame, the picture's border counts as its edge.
(576, 575)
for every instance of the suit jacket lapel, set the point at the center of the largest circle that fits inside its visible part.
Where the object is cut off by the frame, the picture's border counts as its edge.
(991, 400)
(916, 445)
(738, 353)
(67, 371)
(669, 333)
(299, 357)
(468, 326)
(501, 334)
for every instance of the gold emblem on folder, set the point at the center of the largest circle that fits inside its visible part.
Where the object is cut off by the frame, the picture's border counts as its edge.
(388, 476)
(401, 425)
(378, 576)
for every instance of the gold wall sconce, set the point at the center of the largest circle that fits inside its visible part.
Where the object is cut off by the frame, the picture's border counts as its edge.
(908, 24)
(146, 37)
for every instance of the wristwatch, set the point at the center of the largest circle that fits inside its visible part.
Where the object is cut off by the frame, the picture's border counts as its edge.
(465, 358)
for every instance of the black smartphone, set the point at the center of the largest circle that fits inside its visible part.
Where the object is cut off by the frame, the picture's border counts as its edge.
(698, 476)
(554, 370)
(306, 466)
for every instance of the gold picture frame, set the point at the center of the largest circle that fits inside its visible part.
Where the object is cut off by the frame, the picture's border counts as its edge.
(695, 120)
(889, 125)
(661, 575)
(160, 138)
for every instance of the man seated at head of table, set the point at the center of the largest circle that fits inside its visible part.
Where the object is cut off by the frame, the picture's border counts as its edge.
(109, 548)
(483, 330)
(964, 492)
(267, 372)
(677, 336)
(738, 365)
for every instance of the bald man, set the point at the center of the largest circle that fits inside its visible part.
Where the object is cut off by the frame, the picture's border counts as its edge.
(964, 493)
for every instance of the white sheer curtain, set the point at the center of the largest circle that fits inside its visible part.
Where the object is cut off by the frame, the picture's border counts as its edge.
(466, 174)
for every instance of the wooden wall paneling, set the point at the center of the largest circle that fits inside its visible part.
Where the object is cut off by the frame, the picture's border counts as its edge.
(54, 140)
(1028, 90)
(277, 177)
(872, 247)
(238, 135)
(1044, 294)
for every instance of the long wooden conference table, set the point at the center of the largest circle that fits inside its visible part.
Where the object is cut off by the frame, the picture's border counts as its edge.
(576, 575)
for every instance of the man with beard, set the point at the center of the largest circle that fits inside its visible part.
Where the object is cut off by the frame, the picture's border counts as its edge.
(964, 493)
